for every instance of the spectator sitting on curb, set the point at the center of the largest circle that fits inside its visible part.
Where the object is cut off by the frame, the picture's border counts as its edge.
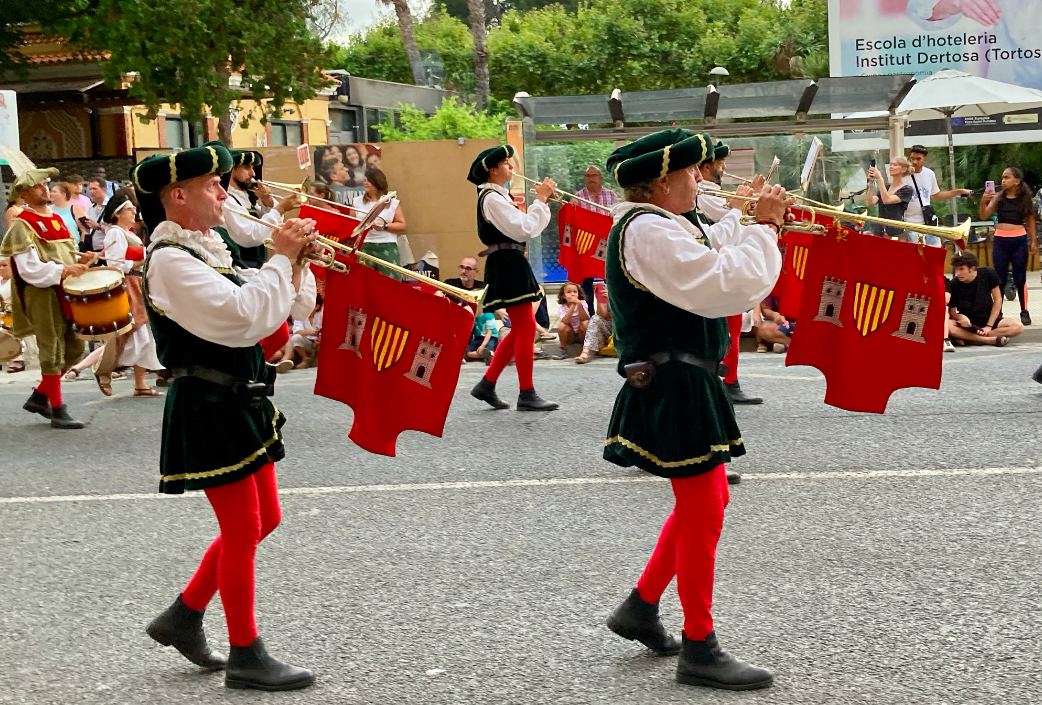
(598, 334)
(483, 339)
(772, 328)
(975, 308)
(573, 318)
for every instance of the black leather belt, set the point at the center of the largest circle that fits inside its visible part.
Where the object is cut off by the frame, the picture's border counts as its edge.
(501, 246)
(249, 390)
(641, 373)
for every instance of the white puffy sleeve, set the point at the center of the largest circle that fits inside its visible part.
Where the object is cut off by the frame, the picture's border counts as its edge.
(516, 225)
(203, 302)
(37, 272)
(668, 261)
(243, 231)
(116, 249)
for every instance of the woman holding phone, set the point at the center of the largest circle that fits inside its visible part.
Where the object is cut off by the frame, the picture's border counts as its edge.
(1015, 232)
(893, 201)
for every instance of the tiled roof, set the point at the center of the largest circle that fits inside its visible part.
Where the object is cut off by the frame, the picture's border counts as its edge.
(42, 49)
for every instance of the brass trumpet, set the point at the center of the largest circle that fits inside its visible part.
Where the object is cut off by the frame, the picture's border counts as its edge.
(328, 248)
(767, 179)
(960, 232)
(560, 195)
(301, 190)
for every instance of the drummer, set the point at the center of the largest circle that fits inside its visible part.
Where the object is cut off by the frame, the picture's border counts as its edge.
(44, 253)
(125, 251)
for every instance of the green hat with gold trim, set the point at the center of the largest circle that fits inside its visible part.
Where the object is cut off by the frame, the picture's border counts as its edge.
(246, 157)
(655, 155)
(488, 160)
(150, 175)
(32, 177)
(721, 151)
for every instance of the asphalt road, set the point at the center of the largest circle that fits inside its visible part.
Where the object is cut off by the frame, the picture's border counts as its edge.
(865, 559)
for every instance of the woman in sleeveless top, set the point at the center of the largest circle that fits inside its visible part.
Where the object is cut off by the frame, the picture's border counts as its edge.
(382, 240)
(69, 212)
(1014, 234)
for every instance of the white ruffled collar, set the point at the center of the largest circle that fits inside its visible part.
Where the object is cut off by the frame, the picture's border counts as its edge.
(208, 245)
(623, 207)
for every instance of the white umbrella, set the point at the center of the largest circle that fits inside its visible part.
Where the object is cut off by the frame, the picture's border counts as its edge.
(957, 94)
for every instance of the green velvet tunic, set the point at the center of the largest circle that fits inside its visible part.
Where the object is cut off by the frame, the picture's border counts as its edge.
(211, 437)
(683, 423)
(508, 275)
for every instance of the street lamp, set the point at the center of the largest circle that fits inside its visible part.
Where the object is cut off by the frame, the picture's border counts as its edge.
(719, 71)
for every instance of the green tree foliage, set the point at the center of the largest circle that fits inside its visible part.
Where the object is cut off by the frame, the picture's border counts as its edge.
(183, 51)
(451, 121)
(494, 10)
(379, 53)
(648, 44)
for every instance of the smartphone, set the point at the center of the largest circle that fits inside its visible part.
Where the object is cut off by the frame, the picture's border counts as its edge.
(600, 292)
(872, 163)
(989, 187)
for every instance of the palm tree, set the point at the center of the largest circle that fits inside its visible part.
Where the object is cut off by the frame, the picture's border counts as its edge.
(476, 9)
(401, 9)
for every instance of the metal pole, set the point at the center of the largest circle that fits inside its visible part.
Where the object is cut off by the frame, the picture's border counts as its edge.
(953, 203)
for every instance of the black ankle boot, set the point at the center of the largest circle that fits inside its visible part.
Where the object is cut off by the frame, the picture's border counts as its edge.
(60, 418)
(734, 390)
(486, 392)
(38, 404)
(181, 627)
(252, 667)
(638, 620)
(1036, 375)
(528, 400)
(705, 663)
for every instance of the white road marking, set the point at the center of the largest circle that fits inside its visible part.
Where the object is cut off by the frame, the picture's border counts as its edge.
(549, 482)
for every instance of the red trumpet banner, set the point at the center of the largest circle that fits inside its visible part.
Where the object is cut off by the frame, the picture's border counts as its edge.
(795, 249)
(584, 241)
(330, 223)
(872, 318)
(392, 353)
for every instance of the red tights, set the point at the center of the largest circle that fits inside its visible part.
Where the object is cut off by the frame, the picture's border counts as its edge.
(51, 387)
(247, 511)
(519, 344)
(734, 327)
(686, 548)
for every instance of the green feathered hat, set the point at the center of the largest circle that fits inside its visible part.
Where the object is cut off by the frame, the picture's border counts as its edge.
(487, 160)
(150, 175)
(655, 155)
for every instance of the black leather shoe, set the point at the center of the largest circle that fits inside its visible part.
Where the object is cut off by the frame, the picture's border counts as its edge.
(1037, 375)
(38, 404)
(181, 627)
(60, 418)
(638, 620)
(705, 663)
(1025, 317)
(733, 478)
(734, 390)
(528, 400)
(486, 392)
(252, 667)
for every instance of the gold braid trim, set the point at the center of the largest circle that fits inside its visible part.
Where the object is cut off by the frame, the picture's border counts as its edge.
(173, 168)
(518, 299)
(665, 160)
(625, 443)
(230, 468)
(622, 241)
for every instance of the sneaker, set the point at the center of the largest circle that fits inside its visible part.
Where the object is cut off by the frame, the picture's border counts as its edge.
(1025, 318)
(761, 348)
(560, 354)
(948, 347)
(781, 348)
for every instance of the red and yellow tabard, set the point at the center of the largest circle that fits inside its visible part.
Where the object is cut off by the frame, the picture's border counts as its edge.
(46, 233)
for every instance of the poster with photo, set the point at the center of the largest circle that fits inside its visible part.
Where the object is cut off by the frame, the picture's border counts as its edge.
(342, 167)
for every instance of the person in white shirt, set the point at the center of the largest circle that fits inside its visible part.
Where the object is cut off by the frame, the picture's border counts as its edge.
(670, 288)
(382, 240)
(249, 197)
(925, 190)
(221, 433)
(97, 187)
(125, 251)
(510, 283)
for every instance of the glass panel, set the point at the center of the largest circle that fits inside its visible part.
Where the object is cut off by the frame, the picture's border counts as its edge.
(293, 134)
(175, 133)
(372, 119)
(278, 135)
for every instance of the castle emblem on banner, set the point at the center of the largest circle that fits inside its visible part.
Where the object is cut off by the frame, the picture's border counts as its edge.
(566, 239)
(832, 291)
(871, 306)
(355, 329)
(913, 318)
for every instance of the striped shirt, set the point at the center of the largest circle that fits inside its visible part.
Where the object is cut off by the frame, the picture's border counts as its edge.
(605, 198)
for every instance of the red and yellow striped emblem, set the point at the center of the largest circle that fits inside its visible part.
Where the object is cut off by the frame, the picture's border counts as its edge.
(799, 260)
(388, 343)
(871, 306)
(584, 240)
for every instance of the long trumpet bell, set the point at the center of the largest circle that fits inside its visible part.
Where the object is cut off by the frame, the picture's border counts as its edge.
(301, 190)
(327, 249)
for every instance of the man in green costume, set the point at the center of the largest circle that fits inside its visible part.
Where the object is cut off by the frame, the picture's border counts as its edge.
(670, 288)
